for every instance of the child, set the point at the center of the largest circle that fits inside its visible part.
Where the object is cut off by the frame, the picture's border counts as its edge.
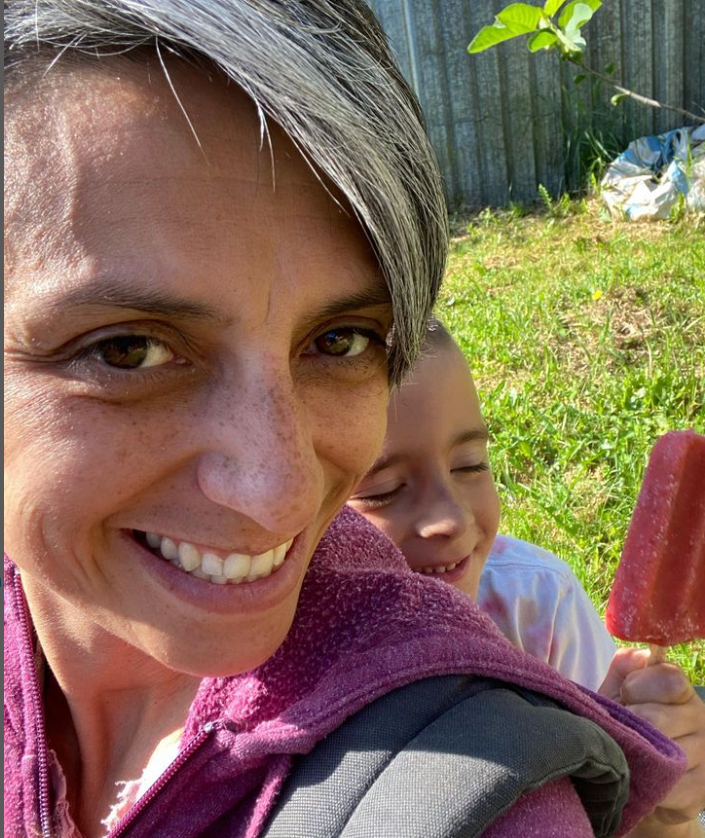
(431, 491)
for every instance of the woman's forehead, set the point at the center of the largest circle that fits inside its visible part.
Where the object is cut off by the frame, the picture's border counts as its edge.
(128, 177)
(174, 123)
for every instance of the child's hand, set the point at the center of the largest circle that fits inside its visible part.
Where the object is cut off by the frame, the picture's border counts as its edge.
(662, 695)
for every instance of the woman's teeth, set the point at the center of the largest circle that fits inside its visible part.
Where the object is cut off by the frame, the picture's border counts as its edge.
(221, 570)
(440, 569)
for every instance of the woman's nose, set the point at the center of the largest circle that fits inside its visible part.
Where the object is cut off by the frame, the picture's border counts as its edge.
(262, 461)
(443, 517)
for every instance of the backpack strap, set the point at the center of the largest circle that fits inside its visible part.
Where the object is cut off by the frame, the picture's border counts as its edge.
(443, 758)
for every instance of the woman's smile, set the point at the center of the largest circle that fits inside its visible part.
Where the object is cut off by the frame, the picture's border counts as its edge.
(264, 587)
(209, 564)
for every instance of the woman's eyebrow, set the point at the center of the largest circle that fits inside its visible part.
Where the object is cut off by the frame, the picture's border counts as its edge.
(375, 296)
(150, 301)
(136, 298)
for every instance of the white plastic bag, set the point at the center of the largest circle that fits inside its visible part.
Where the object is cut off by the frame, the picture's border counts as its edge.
(647, 180)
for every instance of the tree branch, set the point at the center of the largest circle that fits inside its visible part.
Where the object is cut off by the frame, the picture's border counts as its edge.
(637, 97)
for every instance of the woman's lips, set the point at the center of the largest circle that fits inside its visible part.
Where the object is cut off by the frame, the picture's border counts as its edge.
(216, 566)
(248, 596)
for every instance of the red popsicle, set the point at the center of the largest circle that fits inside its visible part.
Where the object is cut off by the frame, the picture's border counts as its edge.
(658, 595)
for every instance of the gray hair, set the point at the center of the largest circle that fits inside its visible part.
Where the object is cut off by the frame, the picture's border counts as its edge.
(322, 70)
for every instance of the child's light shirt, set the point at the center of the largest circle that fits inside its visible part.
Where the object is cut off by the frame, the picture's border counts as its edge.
(540, 606)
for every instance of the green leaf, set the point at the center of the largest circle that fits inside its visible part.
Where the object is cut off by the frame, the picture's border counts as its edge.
(520, 17)
(580, 78)
(575, 15)
(542, 40)
(610, 68)
(566, 18)
(617, 98)
(550, 7)
(516, 19)
(488, 36)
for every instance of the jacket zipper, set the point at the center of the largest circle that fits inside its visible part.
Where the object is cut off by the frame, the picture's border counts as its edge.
(189, 750)
(43, 756)
(38, 708)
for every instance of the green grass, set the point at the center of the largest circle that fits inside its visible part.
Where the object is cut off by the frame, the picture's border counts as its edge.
(587, 340)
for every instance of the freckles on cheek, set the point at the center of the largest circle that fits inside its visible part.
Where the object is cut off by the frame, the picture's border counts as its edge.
(351, 429)
(80, 447)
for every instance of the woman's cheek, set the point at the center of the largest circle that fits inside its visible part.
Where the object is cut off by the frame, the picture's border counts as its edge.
(71, 462)
(348, 425)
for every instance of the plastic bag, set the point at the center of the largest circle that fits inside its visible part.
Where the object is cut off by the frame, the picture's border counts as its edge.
(647, 180)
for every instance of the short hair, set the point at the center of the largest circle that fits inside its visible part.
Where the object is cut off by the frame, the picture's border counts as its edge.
(323, 71)
(437, 336)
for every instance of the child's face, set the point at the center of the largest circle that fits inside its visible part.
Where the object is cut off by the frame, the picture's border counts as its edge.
(431, 490)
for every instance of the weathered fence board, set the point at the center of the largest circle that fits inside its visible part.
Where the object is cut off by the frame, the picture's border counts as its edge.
(504, 121)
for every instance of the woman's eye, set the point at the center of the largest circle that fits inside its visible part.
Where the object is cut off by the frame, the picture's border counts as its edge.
(132, 352)
(347, 343)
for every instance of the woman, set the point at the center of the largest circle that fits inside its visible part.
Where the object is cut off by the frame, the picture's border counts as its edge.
(224, 234)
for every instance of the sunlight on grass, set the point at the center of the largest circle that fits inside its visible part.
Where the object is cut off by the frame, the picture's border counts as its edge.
(587, 339)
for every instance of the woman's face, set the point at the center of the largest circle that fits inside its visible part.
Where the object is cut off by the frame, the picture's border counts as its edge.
(195, 369)
(431, 490)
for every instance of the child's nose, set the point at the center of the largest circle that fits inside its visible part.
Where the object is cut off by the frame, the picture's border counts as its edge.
(444, 517)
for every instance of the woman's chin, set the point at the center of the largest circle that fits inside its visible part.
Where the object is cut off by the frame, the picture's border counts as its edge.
(215, 649)
(220, 659)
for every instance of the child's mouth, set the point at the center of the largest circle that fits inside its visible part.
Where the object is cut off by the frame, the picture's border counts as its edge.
(446, 572)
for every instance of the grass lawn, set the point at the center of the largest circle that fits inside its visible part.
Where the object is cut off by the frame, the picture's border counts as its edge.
(587, 339)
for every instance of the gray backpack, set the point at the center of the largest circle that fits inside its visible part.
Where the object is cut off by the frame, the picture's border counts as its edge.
(443, 758)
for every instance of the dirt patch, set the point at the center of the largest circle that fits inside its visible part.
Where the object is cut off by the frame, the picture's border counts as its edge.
(633, 320)
(620, 325)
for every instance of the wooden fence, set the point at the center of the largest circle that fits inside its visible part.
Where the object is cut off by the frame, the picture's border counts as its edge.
(504, 121)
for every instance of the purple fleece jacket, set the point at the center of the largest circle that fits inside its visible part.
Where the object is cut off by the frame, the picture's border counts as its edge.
(364, 625)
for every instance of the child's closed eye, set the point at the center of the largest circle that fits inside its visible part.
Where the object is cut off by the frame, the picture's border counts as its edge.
(375, 501)
(476, 468)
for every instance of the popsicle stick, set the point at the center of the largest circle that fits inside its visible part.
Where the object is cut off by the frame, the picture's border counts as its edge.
(658, 654)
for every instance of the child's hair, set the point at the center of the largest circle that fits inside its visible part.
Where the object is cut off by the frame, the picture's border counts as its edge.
(437, 336)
